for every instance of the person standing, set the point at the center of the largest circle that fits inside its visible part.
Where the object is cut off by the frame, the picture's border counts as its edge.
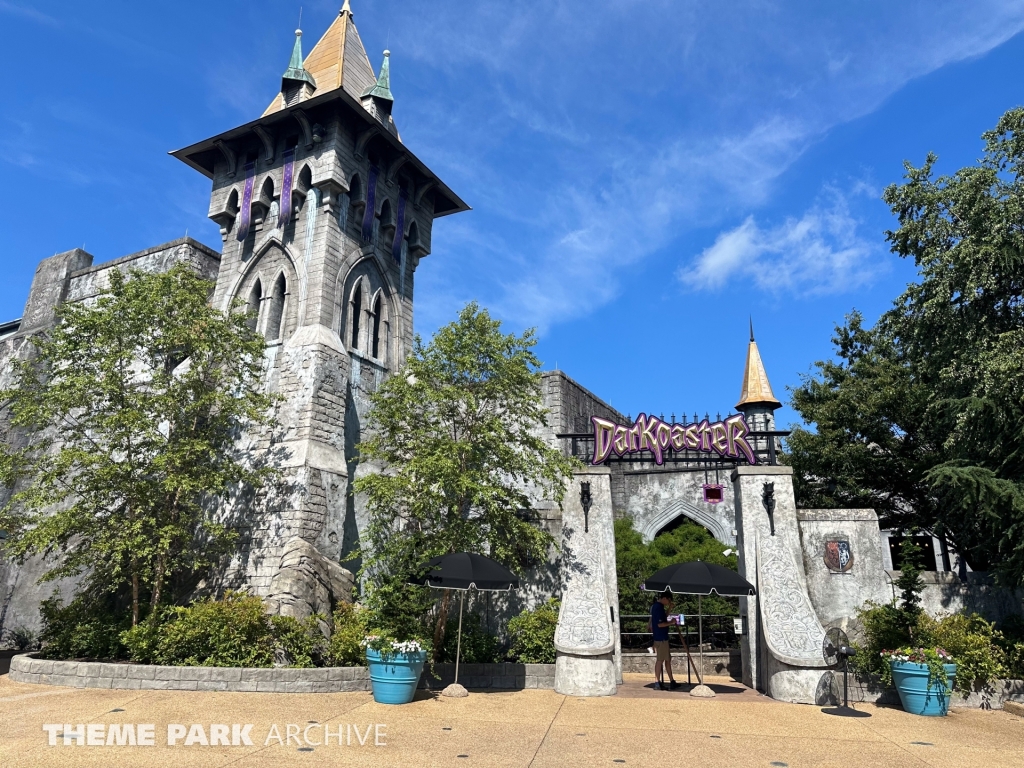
(659, 630)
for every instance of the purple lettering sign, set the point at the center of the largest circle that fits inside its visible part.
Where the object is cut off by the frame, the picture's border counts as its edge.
(649, 433)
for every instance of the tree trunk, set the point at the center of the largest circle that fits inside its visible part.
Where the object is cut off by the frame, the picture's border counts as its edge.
(135, 592)
(442, 619)
(158, 582)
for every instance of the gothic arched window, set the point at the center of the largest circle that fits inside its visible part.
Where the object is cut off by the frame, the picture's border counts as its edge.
(355, 310)
(385, 225)
(356, 200)
(275, 312)
(253, 305)
(375, 349)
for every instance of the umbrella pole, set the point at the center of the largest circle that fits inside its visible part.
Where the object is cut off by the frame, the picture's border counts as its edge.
(458, 643)
(700, 638)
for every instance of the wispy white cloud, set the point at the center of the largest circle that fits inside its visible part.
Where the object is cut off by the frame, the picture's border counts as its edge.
(654, 119)
(819, 252)
(31, 14)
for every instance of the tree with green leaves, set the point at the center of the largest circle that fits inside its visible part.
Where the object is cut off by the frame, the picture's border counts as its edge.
(922, 416)
(685, 541)
(123, 426)
(455, 439)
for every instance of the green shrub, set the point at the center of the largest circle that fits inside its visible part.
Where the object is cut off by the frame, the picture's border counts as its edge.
(478, 646)
(299, 643)
(532, 635)
(972, 641)
(86, 628)
(233, 632)
(1015, 661)
(142, 641)
(350, 628)
(885, 629)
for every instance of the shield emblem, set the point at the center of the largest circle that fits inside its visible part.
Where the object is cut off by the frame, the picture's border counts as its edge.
(838, 555)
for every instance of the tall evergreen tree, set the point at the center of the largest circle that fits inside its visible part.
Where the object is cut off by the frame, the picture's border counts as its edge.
(922, 416)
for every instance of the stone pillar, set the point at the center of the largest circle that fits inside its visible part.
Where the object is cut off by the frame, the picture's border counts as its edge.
(781, 650)
(588, 657)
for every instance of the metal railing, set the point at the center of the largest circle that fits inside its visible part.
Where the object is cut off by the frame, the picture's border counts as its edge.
(719, 633)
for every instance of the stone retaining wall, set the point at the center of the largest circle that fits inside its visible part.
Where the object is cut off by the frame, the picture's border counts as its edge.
(508, 677)
(87, 674)
(715, 663)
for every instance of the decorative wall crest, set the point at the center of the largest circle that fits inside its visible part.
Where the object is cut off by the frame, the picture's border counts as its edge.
(838, 555)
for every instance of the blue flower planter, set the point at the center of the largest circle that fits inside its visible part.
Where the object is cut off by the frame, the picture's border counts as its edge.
(394, 680)
(916, 695)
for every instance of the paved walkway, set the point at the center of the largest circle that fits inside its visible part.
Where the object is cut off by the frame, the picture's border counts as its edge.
(522, 728)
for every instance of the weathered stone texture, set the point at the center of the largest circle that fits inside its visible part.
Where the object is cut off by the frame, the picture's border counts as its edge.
(74, 674)
(306, 582)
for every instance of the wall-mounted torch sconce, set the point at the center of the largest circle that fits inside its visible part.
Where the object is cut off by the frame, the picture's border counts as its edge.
(586, 501)
(768, 499)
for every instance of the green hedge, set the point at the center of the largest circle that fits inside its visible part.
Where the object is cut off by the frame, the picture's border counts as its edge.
(982, 652)
(532, 635)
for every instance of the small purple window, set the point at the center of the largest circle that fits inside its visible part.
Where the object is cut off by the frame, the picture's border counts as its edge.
(713, 493)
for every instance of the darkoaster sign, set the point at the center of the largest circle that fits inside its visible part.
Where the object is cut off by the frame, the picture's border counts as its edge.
(649, 433)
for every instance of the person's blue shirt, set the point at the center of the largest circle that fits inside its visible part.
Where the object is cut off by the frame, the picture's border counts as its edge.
(658, 615)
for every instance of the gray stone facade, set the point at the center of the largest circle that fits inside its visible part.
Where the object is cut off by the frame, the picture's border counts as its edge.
(339, 215)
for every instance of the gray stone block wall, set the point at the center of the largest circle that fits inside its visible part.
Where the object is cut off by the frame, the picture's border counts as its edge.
(715, 663)
(25, 668)
(837, 597)
(87, 282)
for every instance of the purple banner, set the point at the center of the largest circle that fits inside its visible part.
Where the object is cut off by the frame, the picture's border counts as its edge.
(285, 213)
(396, 247)
(250, 179)
(371, 204)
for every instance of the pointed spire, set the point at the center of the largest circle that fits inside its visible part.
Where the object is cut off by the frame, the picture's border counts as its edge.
(756, 389)
(338, 60)
(382, 88)
(296, 72)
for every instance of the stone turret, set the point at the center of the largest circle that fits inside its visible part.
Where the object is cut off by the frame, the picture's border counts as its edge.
(324, 215)
(296, 83)
(757, 402)
(377, 99)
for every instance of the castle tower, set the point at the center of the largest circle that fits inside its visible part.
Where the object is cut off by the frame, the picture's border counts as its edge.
(324, 215)
(757, 402)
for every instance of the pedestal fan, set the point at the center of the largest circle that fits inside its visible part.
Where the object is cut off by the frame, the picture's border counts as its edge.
(836, 650)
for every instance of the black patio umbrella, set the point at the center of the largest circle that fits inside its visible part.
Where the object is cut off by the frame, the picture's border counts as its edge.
(698, 578)
(464, 571)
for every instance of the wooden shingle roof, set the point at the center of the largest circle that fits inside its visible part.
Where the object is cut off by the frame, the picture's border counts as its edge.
(338, 60)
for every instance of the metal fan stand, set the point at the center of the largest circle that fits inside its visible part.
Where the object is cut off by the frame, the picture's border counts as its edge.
(835, 648)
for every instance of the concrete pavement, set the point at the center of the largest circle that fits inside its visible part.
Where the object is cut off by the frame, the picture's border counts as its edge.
(530, 728)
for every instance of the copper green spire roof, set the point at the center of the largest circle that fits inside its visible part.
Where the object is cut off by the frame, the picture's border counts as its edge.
(295, 69)
(382, 88)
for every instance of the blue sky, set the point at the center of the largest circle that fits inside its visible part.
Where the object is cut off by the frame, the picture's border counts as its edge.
(644, 175)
